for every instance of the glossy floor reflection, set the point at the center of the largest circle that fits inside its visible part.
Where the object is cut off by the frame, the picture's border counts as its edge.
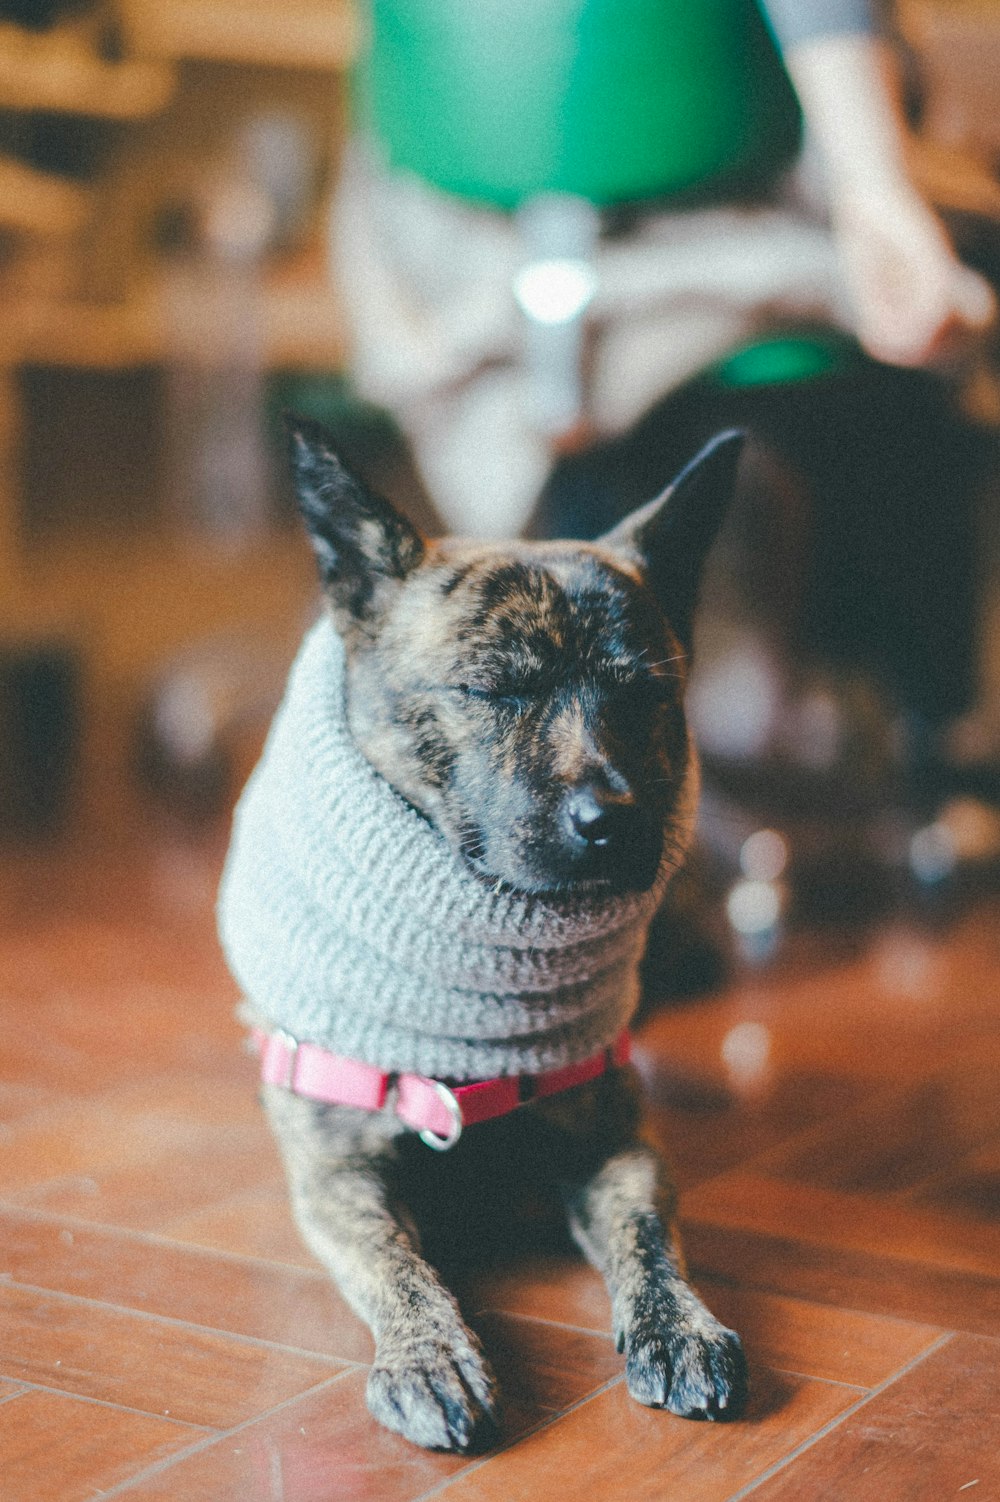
(163, 1334)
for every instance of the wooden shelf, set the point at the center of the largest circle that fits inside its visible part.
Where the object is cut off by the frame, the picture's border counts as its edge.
(37, 203)
(131, 605)
(957, 43)
(301, 327)
(310, 34)
(59, 72)
(134, 600)
(110, 570)
(955, 181)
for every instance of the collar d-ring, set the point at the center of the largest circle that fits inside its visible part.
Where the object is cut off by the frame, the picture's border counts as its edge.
(451, 1105)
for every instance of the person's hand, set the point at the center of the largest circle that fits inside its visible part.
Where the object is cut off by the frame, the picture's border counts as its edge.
(914, 301)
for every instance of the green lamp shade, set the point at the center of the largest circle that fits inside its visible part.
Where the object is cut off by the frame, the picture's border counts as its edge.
(611, 99)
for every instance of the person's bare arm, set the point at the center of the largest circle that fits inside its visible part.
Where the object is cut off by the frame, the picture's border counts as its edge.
(914, 300)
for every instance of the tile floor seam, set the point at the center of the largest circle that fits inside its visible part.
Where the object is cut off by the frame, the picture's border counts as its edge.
(79, 1182)
(539, 1319)
(218, 1437)
(933, 1270)
(841, 1418)
(155, 1239)
(162, 1237)
(819, 1130)
(940, 1179)
(801, 1138)
(935, 1331)
(863, 1195)
(725, 1281)
(210, 1429)
(769, 1290)
(791, 1371)
(910, 1196)
(67, 1105)
(543, 1424)
(146, 1413)
(151, 1316)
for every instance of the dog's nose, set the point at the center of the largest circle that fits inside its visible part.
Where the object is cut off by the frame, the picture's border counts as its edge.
(600, 818)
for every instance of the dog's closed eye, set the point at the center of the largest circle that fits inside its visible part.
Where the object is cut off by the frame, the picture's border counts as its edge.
(497, 694)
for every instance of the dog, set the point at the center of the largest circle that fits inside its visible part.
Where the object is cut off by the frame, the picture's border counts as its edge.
(517, 710)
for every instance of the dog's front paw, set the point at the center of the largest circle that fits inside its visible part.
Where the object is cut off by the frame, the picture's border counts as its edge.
(695, 1369)
(439, 1395)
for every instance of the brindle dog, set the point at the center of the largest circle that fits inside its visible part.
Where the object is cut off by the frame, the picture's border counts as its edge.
(527, 699)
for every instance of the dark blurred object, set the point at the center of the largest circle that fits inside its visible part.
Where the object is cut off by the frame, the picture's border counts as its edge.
(884, 477)
(91, 456)
(67, 145)
(687, 950)
(38, 15)
(39, 730)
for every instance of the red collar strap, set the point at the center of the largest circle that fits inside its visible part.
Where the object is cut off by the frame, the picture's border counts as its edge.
(435, 1110)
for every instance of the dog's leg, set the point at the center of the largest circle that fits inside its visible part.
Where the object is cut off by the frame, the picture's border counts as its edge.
(678, 1356)
(430, 1380)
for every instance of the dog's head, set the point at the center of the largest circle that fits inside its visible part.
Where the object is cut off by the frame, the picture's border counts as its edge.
(527, 698)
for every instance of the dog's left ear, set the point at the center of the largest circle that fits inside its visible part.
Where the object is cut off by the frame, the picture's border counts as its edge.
(363, 546)
(670, 537)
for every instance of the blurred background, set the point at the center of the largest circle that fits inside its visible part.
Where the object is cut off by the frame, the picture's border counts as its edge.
(169, 284)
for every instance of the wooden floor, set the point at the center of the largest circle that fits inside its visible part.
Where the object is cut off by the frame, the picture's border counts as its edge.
(836, 1131)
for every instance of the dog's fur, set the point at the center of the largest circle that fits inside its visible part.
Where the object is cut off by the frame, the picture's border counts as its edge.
(528, 701)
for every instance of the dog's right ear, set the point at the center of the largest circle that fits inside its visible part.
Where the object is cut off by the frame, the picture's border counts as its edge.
(363, 547)
(670, 536)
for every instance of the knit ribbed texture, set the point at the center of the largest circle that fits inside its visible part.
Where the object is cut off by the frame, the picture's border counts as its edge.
(348, 921)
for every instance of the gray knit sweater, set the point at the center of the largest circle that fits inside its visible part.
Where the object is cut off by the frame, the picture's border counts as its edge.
(348, 921)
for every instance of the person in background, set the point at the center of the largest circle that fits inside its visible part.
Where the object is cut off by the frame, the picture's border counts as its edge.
(649, 150)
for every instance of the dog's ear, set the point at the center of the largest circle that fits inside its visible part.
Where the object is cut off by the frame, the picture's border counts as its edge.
(670, 536)
(363, 547)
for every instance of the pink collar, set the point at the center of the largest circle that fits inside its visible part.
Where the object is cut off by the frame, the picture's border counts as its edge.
(435, 1110)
